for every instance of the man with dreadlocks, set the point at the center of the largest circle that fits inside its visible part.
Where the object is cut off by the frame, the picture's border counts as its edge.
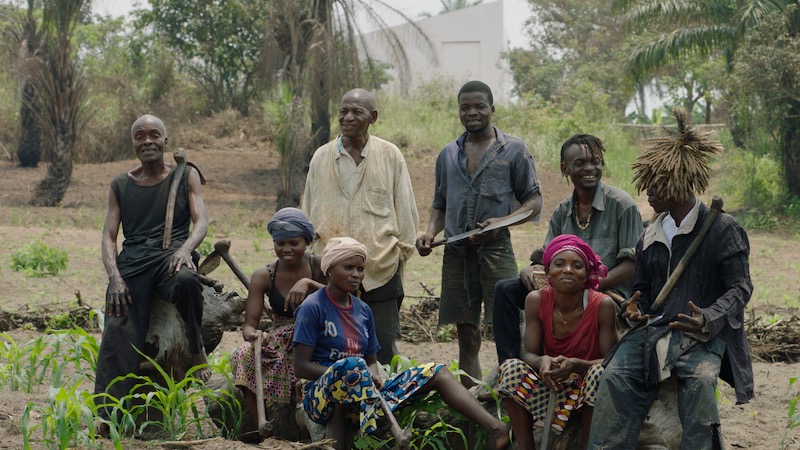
(604, 216)
(696, 335)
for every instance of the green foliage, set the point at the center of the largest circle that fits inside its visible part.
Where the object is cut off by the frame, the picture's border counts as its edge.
(793, 413)
(180, 402)
(207, 246)
(26, 367)
(438, 435)
(37, 260)
(421, 123)
(68, 419)
(219, 43)
(578, 47)
(751, 181)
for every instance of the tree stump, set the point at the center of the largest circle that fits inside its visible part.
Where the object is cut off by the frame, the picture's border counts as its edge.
(166, 339)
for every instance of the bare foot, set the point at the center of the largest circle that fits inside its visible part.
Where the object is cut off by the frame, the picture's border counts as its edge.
(201, 358)
(501, 437)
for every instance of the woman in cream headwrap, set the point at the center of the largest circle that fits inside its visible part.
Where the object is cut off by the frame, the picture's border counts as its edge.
(335, 349)
(285, 281)
(569, 329)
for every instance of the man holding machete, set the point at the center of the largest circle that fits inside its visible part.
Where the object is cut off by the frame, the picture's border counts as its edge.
(696, 333)
(479, 176)
(156, 255)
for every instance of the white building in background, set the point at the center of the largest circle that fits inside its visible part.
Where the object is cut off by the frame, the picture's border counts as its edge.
(466, 44)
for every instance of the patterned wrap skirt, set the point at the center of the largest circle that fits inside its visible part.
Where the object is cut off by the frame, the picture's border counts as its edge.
(519, 382)
(349, 381)
(277, 363)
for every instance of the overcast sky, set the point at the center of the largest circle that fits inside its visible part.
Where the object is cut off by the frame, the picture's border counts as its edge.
(515, 12)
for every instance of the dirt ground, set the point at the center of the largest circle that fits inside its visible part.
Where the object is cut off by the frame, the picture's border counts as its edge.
(240, 198)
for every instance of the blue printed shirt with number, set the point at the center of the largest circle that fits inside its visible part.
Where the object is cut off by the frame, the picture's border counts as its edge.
(334, 332)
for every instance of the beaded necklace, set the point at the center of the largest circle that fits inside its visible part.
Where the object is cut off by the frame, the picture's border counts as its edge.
(583, 227)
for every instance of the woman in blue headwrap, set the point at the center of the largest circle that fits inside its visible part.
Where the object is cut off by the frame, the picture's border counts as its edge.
(286, 281)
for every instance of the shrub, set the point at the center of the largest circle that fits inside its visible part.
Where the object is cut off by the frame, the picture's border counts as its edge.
(37, 260)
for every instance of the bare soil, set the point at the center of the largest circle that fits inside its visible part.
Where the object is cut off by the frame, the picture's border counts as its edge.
(240, 197)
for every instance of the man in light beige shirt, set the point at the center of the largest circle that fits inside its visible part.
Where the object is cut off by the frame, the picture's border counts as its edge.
(358, 186)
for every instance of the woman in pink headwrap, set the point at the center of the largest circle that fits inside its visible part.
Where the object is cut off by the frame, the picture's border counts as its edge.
(569, 329)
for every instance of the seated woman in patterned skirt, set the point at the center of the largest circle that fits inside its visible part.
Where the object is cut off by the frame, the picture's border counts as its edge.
(335, 348)
(569, 329)
(286, 281)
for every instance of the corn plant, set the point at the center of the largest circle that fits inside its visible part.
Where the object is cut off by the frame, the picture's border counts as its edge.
(793, 413)
(68, 420)
(28, 366)
(77, 348)
(24, 367)
(177, 401)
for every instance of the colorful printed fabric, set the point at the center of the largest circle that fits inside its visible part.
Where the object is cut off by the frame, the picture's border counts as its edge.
(522, 384)
(349, 380)
(277, 363)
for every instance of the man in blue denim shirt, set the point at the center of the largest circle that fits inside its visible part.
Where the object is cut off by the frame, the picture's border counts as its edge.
(480, 177)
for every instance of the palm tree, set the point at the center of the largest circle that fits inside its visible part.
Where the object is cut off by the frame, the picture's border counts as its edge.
(24, 37)
(685, 28)
(63, 94)
(316, 46)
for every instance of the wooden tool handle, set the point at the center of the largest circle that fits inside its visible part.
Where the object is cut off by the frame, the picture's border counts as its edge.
(262, 414)
(180, 158)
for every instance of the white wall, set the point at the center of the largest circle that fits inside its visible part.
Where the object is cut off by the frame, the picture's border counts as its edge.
(466, 45)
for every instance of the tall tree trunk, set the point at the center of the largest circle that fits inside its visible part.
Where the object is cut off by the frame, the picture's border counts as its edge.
(321, 71)
(63, 96)
(791, 149)
(50, 191)
(29, 147)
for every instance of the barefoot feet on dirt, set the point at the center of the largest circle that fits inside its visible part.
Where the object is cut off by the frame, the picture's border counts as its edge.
(201, 358)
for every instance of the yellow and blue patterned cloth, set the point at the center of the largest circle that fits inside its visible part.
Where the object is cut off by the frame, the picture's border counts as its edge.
(349, 380)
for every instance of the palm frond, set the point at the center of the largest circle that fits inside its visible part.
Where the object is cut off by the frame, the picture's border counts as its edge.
(664, 11)
(701, 40)
(754, 11)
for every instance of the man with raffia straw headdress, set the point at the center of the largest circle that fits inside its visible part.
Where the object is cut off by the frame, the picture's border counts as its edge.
(696, 335)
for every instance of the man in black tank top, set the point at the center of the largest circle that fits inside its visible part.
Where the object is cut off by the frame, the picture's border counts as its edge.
(138, 202)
